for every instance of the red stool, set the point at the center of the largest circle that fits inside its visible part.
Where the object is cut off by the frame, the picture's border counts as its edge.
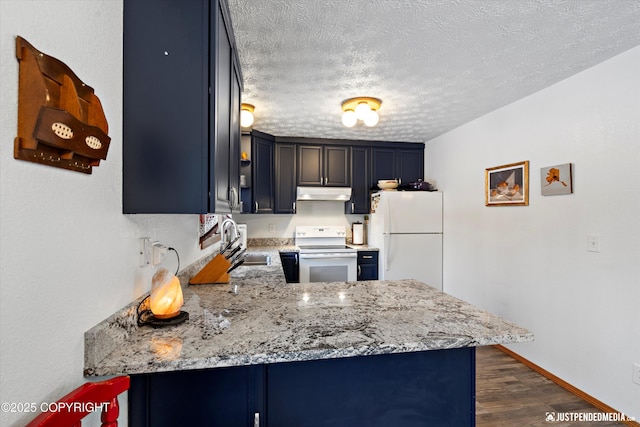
(72, 408)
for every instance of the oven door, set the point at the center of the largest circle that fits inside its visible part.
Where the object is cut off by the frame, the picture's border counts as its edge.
(328, 267)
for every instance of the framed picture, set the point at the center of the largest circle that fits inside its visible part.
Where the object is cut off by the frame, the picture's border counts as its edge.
(555, 180)
(507, 185)
(208, 232)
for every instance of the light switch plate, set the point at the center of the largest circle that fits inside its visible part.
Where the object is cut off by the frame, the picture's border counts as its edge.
(593, 243)
(636, 373)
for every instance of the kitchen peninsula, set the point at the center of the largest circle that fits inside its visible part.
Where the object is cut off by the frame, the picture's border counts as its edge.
(259, 350)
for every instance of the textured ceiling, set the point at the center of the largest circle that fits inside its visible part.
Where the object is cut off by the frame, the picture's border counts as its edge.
(436, 64)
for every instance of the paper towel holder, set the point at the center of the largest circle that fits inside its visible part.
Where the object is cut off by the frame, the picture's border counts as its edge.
(357, 233)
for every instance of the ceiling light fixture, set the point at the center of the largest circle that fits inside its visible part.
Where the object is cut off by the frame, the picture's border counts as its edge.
(362, 108)
(246, 115)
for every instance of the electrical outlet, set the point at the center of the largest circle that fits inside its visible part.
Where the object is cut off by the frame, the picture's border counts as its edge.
(636, 373)
(593, 243)
(145, 252)
(272, 228)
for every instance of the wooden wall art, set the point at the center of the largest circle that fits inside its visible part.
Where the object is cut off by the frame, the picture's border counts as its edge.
(60, 120)
(556, 180)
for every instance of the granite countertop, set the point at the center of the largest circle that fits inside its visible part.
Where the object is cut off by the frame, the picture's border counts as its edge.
(259, 318)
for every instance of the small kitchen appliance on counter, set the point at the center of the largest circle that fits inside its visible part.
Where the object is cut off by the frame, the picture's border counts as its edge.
(242, 229)
(324, 255)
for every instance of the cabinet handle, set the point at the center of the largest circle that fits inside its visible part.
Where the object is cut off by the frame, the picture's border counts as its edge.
(353, 207)
(234, 198)
(256, 419)
(256, 207)
(367, 256)
(359, 271)
(294, 207)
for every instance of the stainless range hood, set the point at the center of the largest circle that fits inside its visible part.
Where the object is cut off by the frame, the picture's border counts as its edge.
(341, 194)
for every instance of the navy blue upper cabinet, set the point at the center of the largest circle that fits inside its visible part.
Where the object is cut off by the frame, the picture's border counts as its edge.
(285, 178)
(328, 165)
(404, 163)
(181, 131)
(360, 177)
(262, 149)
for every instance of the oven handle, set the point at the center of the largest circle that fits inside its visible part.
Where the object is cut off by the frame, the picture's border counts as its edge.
(327, 256)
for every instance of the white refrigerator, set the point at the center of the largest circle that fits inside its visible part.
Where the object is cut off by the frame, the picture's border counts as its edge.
(406, 226)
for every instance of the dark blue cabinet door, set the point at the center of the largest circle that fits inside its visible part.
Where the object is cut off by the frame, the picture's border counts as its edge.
(285, 178)
(165, 127)
(310, 165)
(383, 164)
(429, 388)
(262, 149)
(360, 177)
(367, 265)
(410, 165)
(220, 114)
(290, 267)
(337, 166)
(224, 397)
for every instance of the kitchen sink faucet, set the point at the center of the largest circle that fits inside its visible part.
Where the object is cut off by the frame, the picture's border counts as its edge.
(223, 230)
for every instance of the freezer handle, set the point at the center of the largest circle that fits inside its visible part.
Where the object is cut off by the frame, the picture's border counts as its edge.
(387, 217)
(387, 240)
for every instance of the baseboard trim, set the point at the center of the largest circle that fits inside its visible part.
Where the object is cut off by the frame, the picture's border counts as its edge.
(562, 383)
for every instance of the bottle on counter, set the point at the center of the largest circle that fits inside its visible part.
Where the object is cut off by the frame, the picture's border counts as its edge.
(366, 229)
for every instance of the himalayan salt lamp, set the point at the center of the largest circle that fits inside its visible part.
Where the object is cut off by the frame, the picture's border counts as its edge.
(166, 295)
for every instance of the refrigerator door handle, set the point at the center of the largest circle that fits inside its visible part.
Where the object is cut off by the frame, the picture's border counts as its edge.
(387, 218)
(387, 239)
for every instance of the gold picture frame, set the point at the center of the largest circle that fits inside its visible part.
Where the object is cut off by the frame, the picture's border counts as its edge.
(507, 185)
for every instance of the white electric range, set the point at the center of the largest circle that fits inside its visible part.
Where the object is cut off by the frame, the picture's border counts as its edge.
(324, 255)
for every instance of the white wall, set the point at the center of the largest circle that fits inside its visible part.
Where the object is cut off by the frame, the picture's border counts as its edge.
(68, 256)
(530, 264)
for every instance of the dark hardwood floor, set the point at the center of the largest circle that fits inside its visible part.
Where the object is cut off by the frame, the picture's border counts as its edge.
(511, 394)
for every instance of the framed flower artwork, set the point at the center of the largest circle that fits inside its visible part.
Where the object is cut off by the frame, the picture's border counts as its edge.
(556, 180)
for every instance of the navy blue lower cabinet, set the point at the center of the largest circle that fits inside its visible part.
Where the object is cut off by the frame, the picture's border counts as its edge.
(428, 388)
(290, 266)
(367, 265)
(224, 397)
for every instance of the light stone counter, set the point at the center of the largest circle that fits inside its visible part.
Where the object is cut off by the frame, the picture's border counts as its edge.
(269, 321)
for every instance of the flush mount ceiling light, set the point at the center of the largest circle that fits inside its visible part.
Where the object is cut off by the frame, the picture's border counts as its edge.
(362, 108)
(246, 115)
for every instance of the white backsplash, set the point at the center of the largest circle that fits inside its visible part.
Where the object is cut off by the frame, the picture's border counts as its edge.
(309, 213)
